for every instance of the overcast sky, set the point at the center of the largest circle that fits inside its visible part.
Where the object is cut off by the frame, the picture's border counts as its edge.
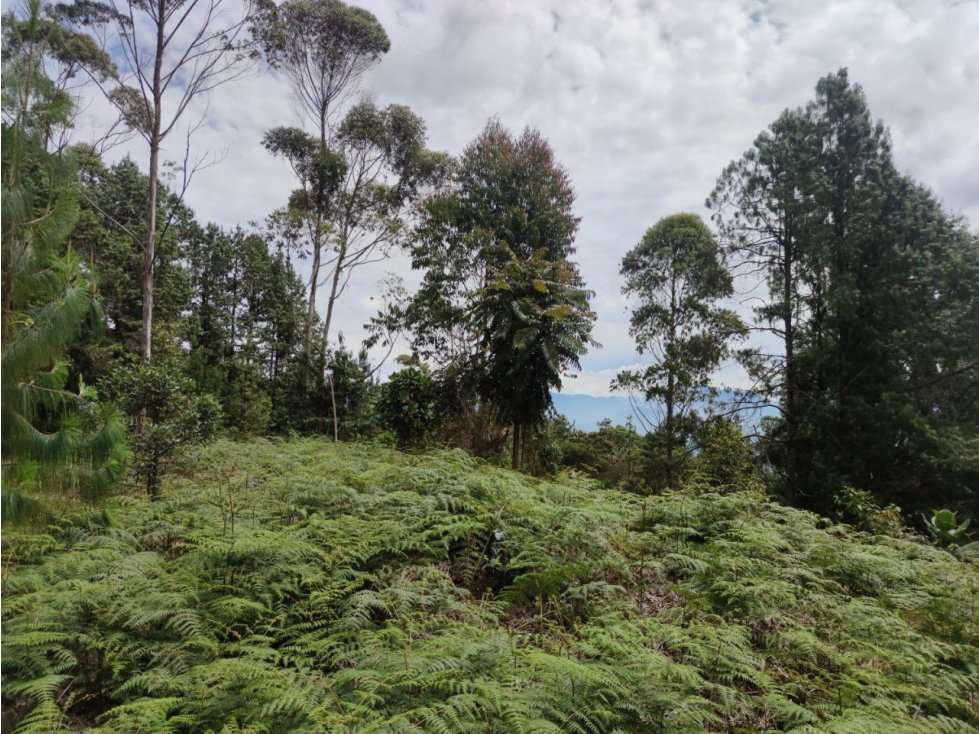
(644, 102)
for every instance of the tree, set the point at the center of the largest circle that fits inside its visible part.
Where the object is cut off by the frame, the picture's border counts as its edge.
(356, 196)
(55, 433)
(30, 99)
(409, 404)
(185, 47)
(172, 411)
(508, 197)
(763, 207)
(873, 297)
(113, 213)
(500, 308)
(677, 275)
(323, 47)
(537, 324)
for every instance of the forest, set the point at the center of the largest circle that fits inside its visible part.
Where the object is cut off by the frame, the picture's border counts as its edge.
(219, 516)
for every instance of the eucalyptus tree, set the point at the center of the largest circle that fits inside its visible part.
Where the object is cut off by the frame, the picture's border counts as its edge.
(677, 276)
(167, 53)
(31, 99)
(501, 310)
(323, 47)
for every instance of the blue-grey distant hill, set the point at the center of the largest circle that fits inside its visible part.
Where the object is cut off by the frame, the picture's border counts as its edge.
(585, 411)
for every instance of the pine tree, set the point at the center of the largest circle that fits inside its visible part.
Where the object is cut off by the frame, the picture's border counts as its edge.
(55, 433)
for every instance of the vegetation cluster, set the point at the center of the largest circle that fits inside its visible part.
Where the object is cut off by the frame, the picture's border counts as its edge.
(288, 586)
(218, 518)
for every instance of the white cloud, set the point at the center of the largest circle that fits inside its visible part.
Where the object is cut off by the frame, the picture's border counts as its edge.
(643, 102)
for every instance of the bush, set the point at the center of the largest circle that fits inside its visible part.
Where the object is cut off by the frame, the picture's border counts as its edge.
(725, 461)
(166, 413)
(858, 508)
(409, 406)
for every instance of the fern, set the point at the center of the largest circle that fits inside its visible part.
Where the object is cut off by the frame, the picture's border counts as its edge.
(362, 590)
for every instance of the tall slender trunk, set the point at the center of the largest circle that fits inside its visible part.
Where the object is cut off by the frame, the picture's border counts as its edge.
(331, 300)
(515, 457)
(314, 280)
(670, 438)
(311, 303)
(671, 384)
(791, 417)
(149, 252)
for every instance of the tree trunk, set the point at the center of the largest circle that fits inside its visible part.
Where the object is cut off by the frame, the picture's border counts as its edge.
(671, 381)
(670, 439)
(333, 406)
(791, 467)
(515, 458)
(311, 303)
(330, 301)
(149, 252)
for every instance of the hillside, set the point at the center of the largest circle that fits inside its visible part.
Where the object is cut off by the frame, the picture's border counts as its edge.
(298, 586)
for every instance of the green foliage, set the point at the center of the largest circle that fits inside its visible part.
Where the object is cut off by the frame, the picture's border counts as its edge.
(167, 412)
(501, 310)
(677, 275)
(410, 405)
(872, 295)
(859, 508)
(57, 437)
(612, 454)
(111, 232)
(945, 528)
(301, 586)
(725, 460)
(537, 325)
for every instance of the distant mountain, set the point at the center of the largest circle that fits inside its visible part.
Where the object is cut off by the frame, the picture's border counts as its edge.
(585, 411)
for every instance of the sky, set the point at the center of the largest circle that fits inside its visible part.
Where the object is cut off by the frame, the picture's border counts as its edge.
(643, 101)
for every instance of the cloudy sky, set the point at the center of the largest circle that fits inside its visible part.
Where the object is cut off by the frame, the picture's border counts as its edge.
(644, 102)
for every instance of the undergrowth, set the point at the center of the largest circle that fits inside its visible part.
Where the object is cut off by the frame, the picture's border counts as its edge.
(305, 587)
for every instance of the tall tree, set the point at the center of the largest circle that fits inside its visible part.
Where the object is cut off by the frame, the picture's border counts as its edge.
(109, 232)
(182, 47)
(503, 224)
(55, 434)
(323, 47)
(537, 325)
(677, 276)
(361, 190)
(765, 216)
(31, 99)
(873, 294)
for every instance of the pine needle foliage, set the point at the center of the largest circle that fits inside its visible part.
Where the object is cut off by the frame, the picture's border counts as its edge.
(303, 586)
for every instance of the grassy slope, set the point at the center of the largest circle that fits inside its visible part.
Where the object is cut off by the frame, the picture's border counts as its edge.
(303, 587)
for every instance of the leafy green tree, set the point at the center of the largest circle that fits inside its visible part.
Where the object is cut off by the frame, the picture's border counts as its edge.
(410, 405)
(172, 411)
(725, 460)
(677, 275)
(763, 221)
(108, 232)
(41, 102)
(872, 294)
(498, 294)
(611, 454)
(55, 433)
(537, 325)
(353, 392)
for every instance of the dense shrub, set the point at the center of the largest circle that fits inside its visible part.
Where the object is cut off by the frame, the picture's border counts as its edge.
(306, 587)
(409, 405)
